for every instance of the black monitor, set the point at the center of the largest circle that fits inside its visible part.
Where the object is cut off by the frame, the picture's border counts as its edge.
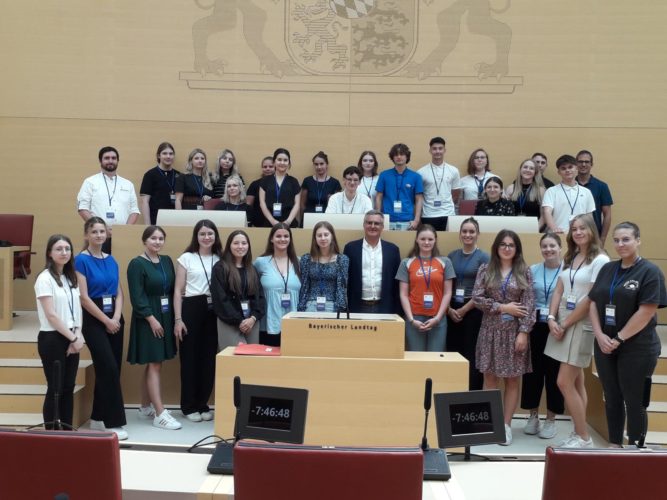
(275, 414)
(469, 418)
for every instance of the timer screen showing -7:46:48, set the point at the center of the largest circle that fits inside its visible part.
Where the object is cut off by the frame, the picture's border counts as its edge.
(471, 418)
(270, 413)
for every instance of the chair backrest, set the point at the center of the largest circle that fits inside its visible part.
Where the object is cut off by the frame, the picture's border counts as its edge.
(17, 229)
(43, 464)
(467, 207)
(298, 472)
(584, 474)
(212, 203)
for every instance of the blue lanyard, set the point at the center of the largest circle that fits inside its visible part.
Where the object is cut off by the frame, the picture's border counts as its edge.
(70, 301)
(427, 277)
(278, 188)
(575, 272)
(166, 176)
(284, 278)
(319, 191)
(505, 284)
(547, 291)
(435, 181)
(480, 185)
(523, 197)
(398, 188)
(199, 184)
(615, 283)
(368, 190)
(164, 273)
(460, 274)
(576, 199)
(112, 194)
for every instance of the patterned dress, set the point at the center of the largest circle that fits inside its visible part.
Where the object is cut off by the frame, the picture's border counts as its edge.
(495, 346)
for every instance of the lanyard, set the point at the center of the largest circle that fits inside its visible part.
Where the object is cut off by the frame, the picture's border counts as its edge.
(70, 300)
(504, 286)
(208, 280)
(460, 273)
(615, 283)
(576, 198)
(368, 190)
(438, 185)
(319, 192)
(112, 194)
(427, 277)
(285, 278)
(342, 203)
(575, 272)
(166, 176)
(480, 184)
(524, 196)
(547, 291)
(278, 188)
(164, 273)
(398, 188)
(199, 185)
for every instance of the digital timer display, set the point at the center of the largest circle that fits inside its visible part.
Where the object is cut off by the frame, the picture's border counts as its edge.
(471, 418)
(270, 413)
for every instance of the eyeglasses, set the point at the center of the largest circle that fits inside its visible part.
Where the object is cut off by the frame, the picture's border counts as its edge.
(584, 162)
(62, 250)
(540, 162)
(373, 223)
(507, 246)
(353, 181)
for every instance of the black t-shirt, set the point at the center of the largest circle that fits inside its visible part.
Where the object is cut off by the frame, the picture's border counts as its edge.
(255, 212)
(159, 185)
(319, 192)
(192, 186)
(642, 283)
(286, 194)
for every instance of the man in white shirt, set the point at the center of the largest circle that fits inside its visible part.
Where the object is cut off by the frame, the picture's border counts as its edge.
(108, 195)
(350, 200)
(442, 186)
(566, 199)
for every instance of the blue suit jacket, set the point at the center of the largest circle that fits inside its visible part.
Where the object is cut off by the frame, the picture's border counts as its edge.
(391, 259)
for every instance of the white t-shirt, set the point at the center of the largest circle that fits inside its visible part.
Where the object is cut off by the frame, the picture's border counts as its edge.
(339, 204)
(470, 186)
(566, 202)
(439, 181)
(111, 198)
(367, 186)
(198, 273)
(66, 301)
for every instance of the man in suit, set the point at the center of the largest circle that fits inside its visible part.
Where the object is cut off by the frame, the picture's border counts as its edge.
(372, 287)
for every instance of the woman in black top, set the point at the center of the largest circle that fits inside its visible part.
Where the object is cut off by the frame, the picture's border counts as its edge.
(225, 167)
(527, 191)
(625, 297)
(252, 194)
(158, 186)
(316, 189)
(279, 194)
(234, 198)
(194, 188)
(238, 297)
(493, 203)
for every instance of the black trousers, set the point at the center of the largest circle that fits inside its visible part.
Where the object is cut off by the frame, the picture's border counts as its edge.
(197, 352)
(272, 340)
(462, 338)
(106, 351)
(544, 375)
(438, 223)
(623, 374)
(52, 347)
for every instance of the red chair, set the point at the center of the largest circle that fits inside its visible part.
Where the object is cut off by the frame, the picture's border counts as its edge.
(212, 203)
(467, 207)
(17, 229)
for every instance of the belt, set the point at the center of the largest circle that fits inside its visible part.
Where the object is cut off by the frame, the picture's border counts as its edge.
(370, 302)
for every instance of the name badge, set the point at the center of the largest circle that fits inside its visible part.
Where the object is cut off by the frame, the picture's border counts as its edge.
(319, 209)
(172, 197)
(459, 295)
(111, 215)
(398, 207)
(164, 303)
(428, 300)
(200, 207)
(285, 300)
(107, 303)
(542, 315)
(437, 203)
(321, 303)
(245, 307)
(277, 209)
(571, 302)
(610, 315)
(209, 302)
(506, 317)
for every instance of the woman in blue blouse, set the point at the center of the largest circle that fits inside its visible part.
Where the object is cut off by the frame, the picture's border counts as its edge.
(279, 274)
(103, 324)
(323, 273)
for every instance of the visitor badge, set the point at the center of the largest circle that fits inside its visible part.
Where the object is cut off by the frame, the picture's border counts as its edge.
(321, 303)
(542, 315)
(506, 317)
(437, 203)
(164, 303)
(459, 295)
(319, 209)
(111, 215)
(610, 315)
(571, 302)
(285, 300)
(245, 307)
(428, 300)
(277, 209)
(200, 207)
(107, 303)
(172, 197)
(209, 302)
(398, 207)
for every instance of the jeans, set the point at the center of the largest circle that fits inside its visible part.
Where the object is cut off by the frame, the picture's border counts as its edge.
(432, 340)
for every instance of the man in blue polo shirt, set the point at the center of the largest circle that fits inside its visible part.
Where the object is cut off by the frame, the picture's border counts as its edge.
(400, 192)
(600, 191)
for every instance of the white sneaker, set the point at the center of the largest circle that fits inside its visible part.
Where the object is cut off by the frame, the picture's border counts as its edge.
(194, 417)
(97, 425)
(165, 421)
(508, 436)
(548, 430)
(576, 441)
(532, 425)
(120, 433)
(147, 411)
(206, 416)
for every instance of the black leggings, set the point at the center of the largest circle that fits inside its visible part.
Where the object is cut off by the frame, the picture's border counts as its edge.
(52, 347)
(545, 374)
(462, 338)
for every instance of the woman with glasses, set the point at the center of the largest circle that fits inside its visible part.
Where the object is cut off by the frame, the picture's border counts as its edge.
(350, 200)
(479, 171)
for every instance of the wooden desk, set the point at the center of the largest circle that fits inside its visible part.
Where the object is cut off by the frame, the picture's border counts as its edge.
(7, 284)
(351, 401)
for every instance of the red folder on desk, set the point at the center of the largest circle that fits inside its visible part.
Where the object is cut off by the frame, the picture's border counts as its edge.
(256, 350)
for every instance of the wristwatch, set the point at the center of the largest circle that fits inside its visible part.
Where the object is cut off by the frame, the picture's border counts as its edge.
(619, 339)
(551, 316)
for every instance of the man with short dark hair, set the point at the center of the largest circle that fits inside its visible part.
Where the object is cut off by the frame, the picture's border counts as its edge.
(540, 160)
(442, 186)
(565, 200)
(108, 195)
(371, 287)
(600, 191)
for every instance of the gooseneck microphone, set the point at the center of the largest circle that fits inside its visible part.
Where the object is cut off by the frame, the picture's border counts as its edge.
(237, 404)
(428, 396)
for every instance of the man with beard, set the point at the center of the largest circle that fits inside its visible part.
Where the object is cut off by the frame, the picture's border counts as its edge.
(108, 195)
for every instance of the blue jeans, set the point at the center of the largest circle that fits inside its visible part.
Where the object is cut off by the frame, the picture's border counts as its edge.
(433, 340)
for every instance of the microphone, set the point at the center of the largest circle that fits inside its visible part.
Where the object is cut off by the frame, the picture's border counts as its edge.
(428, 394)
(237, 405)
(646, 401)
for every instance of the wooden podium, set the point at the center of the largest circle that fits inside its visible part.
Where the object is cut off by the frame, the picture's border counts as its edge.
(7, 285)
(352, 400)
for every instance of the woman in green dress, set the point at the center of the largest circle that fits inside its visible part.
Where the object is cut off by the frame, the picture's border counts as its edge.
(150, 279)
